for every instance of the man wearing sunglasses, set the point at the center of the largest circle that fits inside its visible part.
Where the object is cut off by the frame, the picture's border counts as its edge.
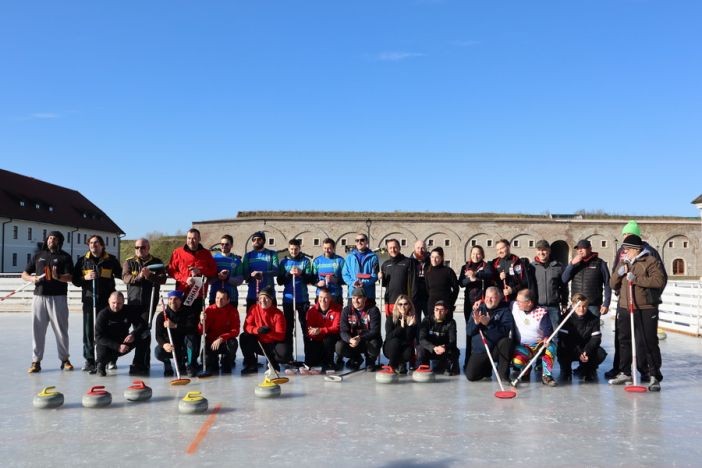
(361, 261)
(229, 272)
(260, 267)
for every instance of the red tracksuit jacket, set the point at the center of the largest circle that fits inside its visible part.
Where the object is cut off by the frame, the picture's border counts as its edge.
(328, 324)
(272, 318)
(221, 323)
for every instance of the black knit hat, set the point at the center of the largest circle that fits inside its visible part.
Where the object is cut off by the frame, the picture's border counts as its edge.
(633, 241)
(259, 234)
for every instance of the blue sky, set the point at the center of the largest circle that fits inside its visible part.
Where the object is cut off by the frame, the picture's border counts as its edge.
(165, 112)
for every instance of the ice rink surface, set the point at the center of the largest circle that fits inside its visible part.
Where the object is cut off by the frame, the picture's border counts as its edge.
(449, 423)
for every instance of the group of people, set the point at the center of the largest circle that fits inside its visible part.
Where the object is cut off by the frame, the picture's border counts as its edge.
(512, 307)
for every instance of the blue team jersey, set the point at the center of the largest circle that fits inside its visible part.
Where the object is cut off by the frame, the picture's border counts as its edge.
(232, 264)
(265, 261)
(303, 264)
(323, 265)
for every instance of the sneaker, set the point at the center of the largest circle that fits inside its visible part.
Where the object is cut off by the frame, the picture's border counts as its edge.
(35, 367)
(621, 379)
(88, 366)
(66, 365)
(612, 373)
(654, 385)
(100, 369)
(138, 371)
(112, 365)
(548, 380)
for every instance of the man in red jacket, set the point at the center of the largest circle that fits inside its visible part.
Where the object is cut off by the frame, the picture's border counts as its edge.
(264, 324)
(323, 330)
(221, 326)
(188, 265)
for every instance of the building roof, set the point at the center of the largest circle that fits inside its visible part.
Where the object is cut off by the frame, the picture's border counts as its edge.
(30, 199)
(697, 201)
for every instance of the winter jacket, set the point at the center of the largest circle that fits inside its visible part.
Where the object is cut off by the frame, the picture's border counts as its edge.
(265, 261)
(442, 285)
(111, 328)
(328, 322)
(550, 289)
(139, 289)
(183, 259)
(434, 333)
(500, 326)
(361, 263)
(364, 323)
(518, 274)
(406, 335)
(272, 318)
(590, 278)
(475, 289)
(398, 278)
(220, 323)
(284, 277)
(580, 334)
(322, 266)
(185, 319)
(647, 284)
(420, 269)
(107, 268)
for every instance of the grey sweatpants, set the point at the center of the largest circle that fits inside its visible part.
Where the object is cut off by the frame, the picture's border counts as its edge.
(45, 310)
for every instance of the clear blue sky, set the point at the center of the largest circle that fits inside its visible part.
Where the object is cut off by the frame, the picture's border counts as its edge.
(165, 112)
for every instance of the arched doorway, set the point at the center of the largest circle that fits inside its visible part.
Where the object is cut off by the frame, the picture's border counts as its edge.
(560, 251)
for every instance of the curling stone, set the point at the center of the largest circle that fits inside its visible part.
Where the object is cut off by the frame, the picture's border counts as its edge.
(267, 389)
(423, 374)
(662, 335)
(386, 376)
(48, 399)
(193, 403)
(97, 397)
(137, 392)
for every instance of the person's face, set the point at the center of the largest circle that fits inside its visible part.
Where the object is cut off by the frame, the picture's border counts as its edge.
(420, 249)
(95, 246)
(436, 259)
(192, 240)
(543, 254)
(294, 250)
(264, 301)
(393, 249)
(439, 312)
(358, 302)
(584, 252)
(361, 242)
(476, 256)
(328, 250)
(52, 242)
(581, 309)
(257, 243)
(324, 300)
(142, 249)
(174, 303)
(524, 304)
(630, 253)
(225, 245)
(502, 249)
(492, 299)
(116, 303)
(404, 306)
(221, 299)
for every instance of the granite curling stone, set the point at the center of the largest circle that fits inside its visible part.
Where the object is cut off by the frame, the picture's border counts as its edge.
(386, 376)
(48, 399)
(423, 374)
(193, 403)
(138, 392)
(97, 397)
(267, 389)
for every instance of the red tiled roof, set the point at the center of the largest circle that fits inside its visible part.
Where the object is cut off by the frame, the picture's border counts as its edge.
(30, 199)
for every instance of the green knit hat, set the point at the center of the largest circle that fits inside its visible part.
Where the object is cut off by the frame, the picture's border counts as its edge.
(631, 227)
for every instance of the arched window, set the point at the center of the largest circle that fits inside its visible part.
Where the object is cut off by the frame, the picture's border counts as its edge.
(678, 266)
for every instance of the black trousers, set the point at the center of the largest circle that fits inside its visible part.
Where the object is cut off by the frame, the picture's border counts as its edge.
(648, 354)
(105, 354)
(397, 351)
(447, 360)
(368, 348)
(478, 364)
(222, 357)
(567, 356)
(89, 329)
(289, 323)
(186, 348)
(321, 353)
(277, 352)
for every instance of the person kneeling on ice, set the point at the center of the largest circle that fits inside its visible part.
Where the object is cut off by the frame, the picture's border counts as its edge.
(264, 324)
(112, 336)
(579, 340)
(400, 333)
(323, 322)
(360, 332)
(221, 327)
(437, 341)
(494, 319)
(533, 326)
(183, 325)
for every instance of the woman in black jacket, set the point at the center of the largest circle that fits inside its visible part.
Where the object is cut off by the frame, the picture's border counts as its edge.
(476, 276)
(400, 332)
(441, 281)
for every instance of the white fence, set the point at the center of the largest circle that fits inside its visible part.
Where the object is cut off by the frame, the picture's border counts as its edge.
(681, 309)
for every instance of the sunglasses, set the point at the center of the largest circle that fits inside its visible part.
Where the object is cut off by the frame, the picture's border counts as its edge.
(139, 247)
(361, 240)
(402, 304)
(224, 244)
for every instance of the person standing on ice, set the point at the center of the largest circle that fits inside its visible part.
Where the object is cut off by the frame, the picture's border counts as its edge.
(229, 272)
(361, 261)
(640, 273)
(188, 265)
(422, 264)
(259, 268)
(95, 274)
(511, 273)
(50, 303)
(396, 276)
(327, 267)
(588, 275)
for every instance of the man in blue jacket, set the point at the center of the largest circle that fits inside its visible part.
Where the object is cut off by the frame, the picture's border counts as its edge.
(494, 319)
(361, 261)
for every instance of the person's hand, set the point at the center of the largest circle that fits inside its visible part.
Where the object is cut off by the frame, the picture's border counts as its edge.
(411, 320)
(190, 281)
(217, 343)
(123, 349)
(145, 273)
(355, 341)
(295, 271)
(507, 291)
(380, 275)
(439, 350)
(332, 279)
(577, 259)
(476, 314)
(257, 275)
(476, 305)
(358, 283)
(168, 324)
(584, 357)
(203, 317)
(263, 330)
(129, 339)
(604, 310)
(503, 275)
(195, 271)
(223, 275)
(321, 284)
(89, 276)
(168, 347)
(313, 331)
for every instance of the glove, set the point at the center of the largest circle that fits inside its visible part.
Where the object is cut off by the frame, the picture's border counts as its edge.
(621, 271)
(630, 277)
(263, 330)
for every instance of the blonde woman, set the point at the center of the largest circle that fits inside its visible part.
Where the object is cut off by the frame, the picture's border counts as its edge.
(400, 332)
